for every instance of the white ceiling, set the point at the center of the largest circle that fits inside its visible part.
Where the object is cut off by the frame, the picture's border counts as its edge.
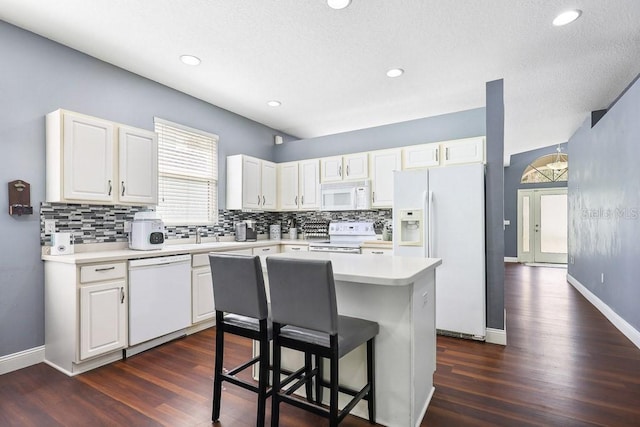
(328, 67)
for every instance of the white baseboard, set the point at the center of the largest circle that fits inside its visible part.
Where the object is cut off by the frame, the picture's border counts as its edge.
(22, 359)
(496, 336)
(511, 259)
(617, 321)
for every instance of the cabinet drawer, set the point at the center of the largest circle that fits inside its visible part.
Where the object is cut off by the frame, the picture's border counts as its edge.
(295, 248)
(376, 251)
(200, 260)
(100, 272)
(266, 250)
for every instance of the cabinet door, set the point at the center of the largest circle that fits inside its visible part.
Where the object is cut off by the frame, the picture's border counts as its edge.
(251, 188)
(421, 156)
(268, 185)
(469, 150)
(288, 186)
(202, 305)
(138, 166)
(331, 169)
(356, 166)
(103, 318)
(309, 184)
(383, 163)
(88, 159)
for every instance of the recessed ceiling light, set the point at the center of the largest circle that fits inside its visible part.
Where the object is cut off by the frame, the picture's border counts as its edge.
(338, 4)
(567, 17)
(274, 103)
(395, 72)
(190, 60)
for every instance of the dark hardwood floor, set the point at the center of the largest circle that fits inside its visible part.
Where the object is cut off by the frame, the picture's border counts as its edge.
(564, 365)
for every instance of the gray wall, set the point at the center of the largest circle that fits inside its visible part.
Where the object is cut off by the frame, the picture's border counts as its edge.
(604, 206)
(512, 177)
(38, 76)
(494, 204)
(421, 131)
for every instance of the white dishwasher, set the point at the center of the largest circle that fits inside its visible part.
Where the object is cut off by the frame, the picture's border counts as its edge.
(159, 300)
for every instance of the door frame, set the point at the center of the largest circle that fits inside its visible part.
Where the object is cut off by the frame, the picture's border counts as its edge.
(532, 234)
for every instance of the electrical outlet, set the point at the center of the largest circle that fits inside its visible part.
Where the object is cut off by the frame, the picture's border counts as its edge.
(572, 259)
(602, 278)
(49, 226)
(127, 226)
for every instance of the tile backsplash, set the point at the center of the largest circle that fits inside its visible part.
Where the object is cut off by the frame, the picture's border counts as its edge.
(101, 224)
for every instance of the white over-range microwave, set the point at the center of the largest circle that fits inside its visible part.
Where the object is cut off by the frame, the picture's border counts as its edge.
(345, 196)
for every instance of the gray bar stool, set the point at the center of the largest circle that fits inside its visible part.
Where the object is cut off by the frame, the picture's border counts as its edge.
(305, 318)
(241, 309)
(238, 290)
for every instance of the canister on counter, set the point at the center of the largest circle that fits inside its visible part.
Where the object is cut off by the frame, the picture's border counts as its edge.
(275, 232)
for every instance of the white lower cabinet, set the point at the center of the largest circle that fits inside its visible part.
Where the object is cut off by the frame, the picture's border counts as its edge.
(103, 318)
(202, 303)
(85, 315)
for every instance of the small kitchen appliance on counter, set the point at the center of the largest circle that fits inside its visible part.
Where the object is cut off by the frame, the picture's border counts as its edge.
(252, 231)
(147, 231)
(240, 229)
(275, 232)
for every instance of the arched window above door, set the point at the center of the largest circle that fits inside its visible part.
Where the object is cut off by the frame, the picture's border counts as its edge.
(547, 168)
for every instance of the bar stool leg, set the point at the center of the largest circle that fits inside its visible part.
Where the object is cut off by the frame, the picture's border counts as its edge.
(333, 403)
(371, 366)
(319, 379)
(217, 377)
(308, 370)
(275, 389)
(263, 374)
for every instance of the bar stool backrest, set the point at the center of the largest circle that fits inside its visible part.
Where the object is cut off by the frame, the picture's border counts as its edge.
(238, 285)
(303, 293)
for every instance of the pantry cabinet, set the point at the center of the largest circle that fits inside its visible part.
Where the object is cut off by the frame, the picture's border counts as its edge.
(251, 183)
(91, 160)
(299, 185)
(347, 167)
(383, 164)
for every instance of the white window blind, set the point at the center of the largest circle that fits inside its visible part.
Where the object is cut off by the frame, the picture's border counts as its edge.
(187, 174)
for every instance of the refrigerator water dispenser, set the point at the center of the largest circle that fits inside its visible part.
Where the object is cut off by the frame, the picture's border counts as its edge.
(410, 227)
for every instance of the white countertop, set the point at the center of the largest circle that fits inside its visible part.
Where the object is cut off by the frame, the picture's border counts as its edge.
(373, 269)
(169, 249)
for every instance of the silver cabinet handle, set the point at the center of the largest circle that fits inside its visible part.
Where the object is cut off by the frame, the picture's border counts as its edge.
(122, 295)
(295, 249)
(347, 170)
(258, 199)
(437, 155)
(106, 268)
(302, 200)
(264, 201)
(296, 201)
(377, 252)
(373, 196)
(340, 171)
(446, 153)
(123, 188)
(110, 187)
(266, 249)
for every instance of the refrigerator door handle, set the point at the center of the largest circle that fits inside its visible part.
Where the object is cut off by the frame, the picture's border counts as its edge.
(430, 226)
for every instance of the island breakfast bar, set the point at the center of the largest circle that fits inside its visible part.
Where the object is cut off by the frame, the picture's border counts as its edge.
(399, 294)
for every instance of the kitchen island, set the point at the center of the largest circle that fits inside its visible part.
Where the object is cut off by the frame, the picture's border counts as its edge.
(399, 294)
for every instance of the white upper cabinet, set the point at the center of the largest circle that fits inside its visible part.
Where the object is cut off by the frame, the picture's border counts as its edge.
(251, 183)
(348, 167)
(138, 166)
(309, 184)
(383, 163)
(421, 156)
(468, 150)
(288, 186)
(87, 163)
(299, 185)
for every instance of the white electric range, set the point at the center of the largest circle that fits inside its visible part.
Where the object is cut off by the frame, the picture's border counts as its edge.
(345, 237)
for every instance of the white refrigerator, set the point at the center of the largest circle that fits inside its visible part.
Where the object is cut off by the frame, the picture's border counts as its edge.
(439, 213)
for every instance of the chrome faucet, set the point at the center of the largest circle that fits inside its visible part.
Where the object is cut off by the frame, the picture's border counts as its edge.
(198, 235)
